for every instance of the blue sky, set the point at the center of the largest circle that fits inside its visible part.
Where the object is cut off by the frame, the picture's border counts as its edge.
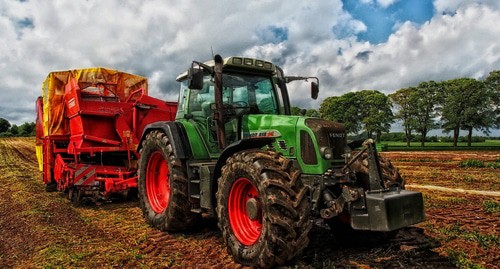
(381, 20)
(350, 45)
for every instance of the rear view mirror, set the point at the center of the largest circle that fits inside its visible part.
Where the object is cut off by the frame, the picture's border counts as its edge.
(195, 78)
(314, 90)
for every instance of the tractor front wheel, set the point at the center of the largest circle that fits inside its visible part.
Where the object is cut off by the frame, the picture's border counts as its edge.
(163, 185)
(263, 209)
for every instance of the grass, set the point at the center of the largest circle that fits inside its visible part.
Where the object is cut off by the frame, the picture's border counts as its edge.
(487, 145)
(456, 231)
(459, 258)
(491, 206)
(472, 163)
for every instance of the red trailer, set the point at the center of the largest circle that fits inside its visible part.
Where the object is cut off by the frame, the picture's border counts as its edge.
(89, 123)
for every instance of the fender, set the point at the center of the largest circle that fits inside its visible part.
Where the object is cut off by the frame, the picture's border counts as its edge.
(244, 144)
(250, 143)
(176, 132)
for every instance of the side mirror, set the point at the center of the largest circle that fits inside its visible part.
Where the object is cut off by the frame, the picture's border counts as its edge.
(314, 90)
(195, 78)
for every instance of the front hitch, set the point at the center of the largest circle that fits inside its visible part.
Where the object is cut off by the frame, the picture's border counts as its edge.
(379, 208)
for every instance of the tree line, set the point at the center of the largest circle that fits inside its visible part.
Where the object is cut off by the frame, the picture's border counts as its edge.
(453, 105)
(25, 129)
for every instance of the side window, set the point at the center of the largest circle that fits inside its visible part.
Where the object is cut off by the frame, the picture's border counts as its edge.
(181, 108)
(265, 97)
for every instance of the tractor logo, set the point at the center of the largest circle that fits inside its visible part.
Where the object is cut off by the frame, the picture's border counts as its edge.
(261, 133)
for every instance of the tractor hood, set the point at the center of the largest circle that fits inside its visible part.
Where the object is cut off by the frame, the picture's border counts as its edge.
(314, 142)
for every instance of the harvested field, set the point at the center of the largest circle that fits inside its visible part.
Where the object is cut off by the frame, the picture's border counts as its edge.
(44, 230)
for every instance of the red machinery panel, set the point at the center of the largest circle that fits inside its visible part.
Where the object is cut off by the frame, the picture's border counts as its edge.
(106, 112)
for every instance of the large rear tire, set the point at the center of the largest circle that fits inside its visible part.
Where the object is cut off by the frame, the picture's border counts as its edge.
(163, 185)
(263, 209)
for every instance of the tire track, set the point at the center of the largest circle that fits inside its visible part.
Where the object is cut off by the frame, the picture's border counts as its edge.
(454, 190)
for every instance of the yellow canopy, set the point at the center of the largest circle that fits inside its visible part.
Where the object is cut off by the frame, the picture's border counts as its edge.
(119, 83)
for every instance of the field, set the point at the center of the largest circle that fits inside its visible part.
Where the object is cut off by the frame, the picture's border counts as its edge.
(44, 230)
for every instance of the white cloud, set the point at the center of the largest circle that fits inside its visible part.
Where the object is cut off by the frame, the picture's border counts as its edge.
(446, 6)
(381, 3)
(159, 40)
(386, 3)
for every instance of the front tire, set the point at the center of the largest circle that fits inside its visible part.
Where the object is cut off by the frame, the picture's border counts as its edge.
(263, 209)
(163, 185)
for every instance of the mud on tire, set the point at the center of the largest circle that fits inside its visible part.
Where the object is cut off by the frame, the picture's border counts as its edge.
(390, 174)
(341, 225)
(163, 185)
(279, 231)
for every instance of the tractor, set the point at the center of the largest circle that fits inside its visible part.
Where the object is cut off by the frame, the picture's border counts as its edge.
(235, 153)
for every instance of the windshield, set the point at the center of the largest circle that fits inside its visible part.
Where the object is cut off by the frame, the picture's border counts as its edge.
(253, 92)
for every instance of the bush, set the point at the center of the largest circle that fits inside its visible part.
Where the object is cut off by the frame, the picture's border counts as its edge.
(491, 206)
(472, 163)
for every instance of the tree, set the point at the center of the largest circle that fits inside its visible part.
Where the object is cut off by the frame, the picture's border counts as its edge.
(376, 113)
(4, 125)
(468, 104)
(453, 103)
(312, 113)
(297, 111)
(14, 130)
(481, 112)
(404, 100)
(425, 100)
(493, 83)
(27, 129)
(365, 110)
(345, 109)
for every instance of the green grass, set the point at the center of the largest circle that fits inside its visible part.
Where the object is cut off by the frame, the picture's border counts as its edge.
(487, 145)
(459, 258)
(472, 163)
(491, 206)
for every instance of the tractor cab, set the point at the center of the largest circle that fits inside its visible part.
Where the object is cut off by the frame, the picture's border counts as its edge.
(217, 108)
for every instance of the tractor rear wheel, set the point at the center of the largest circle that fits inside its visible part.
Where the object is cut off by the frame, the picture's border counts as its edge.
(263, 208)
(163, 185)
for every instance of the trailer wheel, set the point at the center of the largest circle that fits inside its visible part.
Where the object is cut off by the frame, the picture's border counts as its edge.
(263, 209)
(163, 185)
(51, 187)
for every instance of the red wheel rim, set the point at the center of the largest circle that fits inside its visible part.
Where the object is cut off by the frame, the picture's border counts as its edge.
(246, 230)
(157, 184)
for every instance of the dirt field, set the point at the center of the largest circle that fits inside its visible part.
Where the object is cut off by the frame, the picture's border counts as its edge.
(44, 230)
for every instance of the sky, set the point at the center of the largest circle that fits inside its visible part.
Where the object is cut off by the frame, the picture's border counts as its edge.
(350, 45)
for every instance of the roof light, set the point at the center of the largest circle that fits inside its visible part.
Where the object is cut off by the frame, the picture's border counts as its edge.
(237, 60)
(248, 61)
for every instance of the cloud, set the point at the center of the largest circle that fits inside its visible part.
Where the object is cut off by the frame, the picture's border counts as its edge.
(386, 3)
(159, 40)
(446, 6)
(464, 44)
(381, 3)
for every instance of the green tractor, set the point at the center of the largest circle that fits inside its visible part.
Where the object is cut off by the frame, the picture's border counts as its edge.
(234, 152)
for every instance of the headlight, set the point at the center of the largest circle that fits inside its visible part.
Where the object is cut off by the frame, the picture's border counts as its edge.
(326, 153)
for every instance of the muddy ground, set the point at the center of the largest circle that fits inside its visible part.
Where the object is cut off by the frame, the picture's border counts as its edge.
(44, 230)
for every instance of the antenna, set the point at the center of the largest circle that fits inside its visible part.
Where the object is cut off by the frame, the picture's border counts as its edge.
(212, 49)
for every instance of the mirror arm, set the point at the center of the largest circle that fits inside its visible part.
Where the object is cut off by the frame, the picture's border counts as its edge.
(206, 67)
